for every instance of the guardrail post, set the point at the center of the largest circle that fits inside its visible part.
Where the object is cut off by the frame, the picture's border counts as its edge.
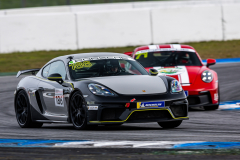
(68, 2)
(23, 3)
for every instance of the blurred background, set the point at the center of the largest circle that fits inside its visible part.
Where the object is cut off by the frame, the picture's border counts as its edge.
(6, 4)
(34, 31)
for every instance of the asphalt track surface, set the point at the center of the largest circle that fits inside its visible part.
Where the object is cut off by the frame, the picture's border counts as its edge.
(218, 126)
(115, 153)
(202, 126)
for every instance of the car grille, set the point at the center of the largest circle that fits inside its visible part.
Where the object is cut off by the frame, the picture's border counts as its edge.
(143, 115)
(179, 110)
(198, 99)
(111, 114)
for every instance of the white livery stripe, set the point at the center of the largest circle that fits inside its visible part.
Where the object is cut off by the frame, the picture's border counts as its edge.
(153, 47)
(179, 79)
(164, 49)
(176, 46)
(184, 75)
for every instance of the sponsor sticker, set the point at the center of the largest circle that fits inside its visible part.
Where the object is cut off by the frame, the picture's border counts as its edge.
(59, 97)
(79, 65)
(180, 73)
(150, 104)
(92, 107)
(171, 71)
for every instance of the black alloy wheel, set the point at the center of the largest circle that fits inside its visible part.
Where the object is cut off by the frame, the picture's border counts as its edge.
(23, 114)
(78, 111)
(171, 124)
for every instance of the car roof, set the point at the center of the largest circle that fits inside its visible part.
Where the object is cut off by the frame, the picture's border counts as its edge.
(173, 46)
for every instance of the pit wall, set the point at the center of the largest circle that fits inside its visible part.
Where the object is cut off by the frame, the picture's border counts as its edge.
(117, 25)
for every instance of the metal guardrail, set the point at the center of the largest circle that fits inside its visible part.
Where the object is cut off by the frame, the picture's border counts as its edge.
(7, 4)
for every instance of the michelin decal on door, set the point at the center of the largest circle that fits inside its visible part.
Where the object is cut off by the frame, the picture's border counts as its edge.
(59, 98)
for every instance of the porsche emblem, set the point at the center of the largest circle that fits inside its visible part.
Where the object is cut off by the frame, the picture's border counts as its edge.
(143, 90)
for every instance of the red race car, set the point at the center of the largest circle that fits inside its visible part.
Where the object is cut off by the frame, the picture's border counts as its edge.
(183, 63)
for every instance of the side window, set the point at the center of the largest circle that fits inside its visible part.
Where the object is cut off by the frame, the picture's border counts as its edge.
(58, 67)
(45, 71)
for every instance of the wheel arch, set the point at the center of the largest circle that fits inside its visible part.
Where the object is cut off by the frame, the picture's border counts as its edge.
(17, 92)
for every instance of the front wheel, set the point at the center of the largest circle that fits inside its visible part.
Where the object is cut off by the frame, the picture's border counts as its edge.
(172, 124)
(78, 111)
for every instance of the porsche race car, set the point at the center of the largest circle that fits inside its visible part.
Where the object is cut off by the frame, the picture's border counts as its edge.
(91, 89)
(183, 63)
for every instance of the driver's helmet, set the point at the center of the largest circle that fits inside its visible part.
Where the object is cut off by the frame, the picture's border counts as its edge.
(183, 58)
(114, 66)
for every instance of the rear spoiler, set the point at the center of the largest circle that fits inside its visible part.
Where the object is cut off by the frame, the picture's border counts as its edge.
(27, 71)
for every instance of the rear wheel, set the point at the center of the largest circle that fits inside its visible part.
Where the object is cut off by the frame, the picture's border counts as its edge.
(172, 124)
(78, 111)
(23, 114)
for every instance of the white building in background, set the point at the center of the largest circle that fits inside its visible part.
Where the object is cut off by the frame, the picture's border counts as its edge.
(118, 24)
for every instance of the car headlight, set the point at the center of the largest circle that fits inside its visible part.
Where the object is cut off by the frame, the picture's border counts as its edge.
(100, 90)
(207, 76)
(176, 86)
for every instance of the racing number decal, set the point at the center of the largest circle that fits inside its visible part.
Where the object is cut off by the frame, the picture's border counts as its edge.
(144, 54)
(59, 98)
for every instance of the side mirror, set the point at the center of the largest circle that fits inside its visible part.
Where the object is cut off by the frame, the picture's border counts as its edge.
(128, 53)
(153, 72)
(56, 77)
(211, 62)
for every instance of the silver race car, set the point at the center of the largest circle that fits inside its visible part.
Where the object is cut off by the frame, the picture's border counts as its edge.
(91, 89)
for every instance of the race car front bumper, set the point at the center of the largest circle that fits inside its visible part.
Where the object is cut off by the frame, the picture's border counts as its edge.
(118, 113)
(200, 100)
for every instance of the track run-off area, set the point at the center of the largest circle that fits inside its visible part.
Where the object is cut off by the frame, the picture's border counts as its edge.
(204, 129)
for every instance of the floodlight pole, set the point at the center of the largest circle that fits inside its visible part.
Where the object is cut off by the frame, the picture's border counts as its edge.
(68, 2)
(23, 3)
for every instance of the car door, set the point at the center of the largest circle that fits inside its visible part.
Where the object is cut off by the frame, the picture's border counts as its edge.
(52, 93)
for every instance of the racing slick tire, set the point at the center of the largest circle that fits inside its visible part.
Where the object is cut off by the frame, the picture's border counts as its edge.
(23, 113)
(78, 111)
(172, 124)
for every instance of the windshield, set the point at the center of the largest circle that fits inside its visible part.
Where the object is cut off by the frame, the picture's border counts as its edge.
(167, 58)
(98, 67)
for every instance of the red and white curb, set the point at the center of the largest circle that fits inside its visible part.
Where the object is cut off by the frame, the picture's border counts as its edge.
(229, 105)
(151, 144)
(124, 144)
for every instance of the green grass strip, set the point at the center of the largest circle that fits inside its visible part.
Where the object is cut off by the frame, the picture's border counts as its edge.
(26, 60)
